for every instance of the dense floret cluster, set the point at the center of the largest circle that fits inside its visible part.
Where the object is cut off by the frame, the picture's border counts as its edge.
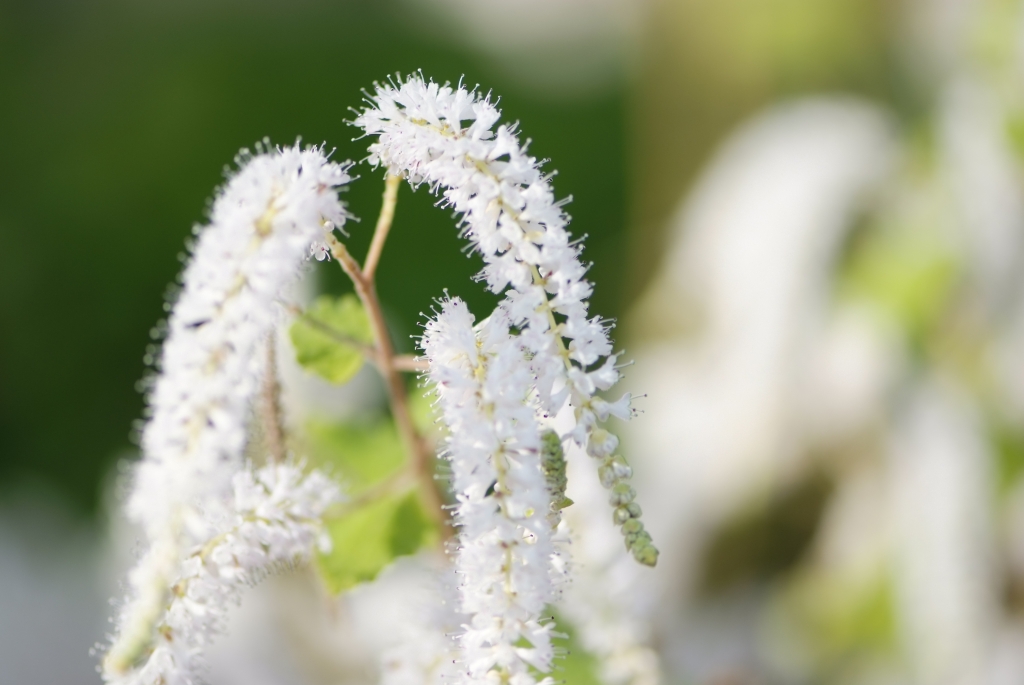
(505, 561)
(263, 226)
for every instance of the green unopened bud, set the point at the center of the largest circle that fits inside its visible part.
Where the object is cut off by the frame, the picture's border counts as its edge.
(606, 473)
(620, 515)
(551, 445)
(643, 537)
(646, 555)
(601, 443)
(638, 539)
(634, 510)
(632, 526)
(553, 464)
(621, 494)
(621, 468)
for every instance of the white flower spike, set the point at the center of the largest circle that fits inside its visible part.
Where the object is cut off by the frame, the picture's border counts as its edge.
(506, 555)
(263, 225)
(275, 521)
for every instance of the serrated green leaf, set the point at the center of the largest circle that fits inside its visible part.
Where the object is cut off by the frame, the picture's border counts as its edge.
(362, 454)
(327, 337)
(366, 540)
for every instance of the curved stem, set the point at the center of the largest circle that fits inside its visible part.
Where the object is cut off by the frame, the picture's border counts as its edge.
(421, 455)
(380, 233)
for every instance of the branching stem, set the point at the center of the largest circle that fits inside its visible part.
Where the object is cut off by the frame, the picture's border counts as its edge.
(421, 456)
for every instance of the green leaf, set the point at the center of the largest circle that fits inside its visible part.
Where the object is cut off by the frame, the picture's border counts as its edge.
(411, 528)
(328, 336)
(366, 540)
(363, 454)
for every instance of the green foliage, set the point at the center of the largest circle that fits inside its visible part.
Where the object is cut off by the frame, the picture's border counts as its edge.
(386, 519)
(371, 536)
(328, 337)
(363, 454)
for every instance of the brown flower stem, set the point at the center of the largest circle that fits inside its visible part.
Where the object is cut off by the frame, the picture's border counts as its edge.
(380, 233)
(421, 457)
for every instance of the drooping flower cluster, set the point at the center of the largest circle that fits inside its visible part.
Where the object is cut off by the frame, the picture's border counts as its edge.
(484, 385)
(449, 139)
(263, 226)
(261, 230)
(275, 520)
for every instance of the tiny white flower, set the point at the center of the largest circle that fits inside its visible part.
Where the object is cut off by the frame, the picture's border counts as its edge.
(274, 519)
(319, 251)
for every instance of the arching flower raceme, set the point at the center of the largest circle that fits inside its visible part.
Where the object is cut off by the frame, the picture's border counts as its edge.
(275, 520)
(449, 139)
(264, 225)
(484, 383)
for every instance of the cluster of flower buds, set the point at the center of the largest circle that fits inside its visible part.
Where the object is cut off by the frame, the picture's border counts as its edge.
(614, 474)
(553, 463)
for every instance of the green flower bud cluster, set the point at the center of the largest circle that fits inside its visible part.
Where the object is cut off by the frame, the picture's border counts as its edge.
(553, 463)
(614, 473)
